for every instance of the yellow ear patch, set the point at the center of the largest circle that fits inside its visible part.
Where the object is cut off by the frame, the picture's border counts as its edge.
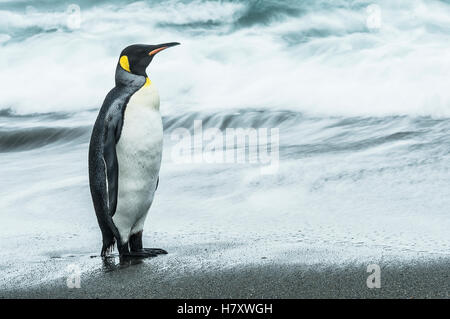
(124, 63)
(147, 82)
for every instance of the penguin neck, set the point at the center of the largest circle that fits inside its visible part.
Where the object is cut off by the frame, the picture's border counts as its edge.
(131, 81)
(146, 97)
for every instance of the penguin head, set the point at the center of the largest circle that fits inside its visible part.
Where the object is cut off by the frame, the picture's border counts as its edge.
(136, 58)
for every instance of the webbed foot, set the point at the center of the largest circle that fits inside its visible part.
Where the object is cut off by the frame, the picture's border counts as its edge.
(156, 251)
(136, 245)
(138, 254)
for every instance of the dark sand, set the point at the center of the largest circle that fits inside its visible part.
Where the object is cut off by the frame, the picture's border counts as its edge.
(418, 279)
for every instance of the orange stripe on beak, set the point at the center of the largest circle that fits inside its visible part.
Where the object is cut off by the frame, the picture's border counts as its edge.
(156, 50)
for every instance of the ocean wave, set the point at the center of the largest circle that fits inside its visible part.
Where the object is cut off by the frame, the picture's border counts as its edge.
(352, 145)
(265, 12)
(244, 118)
(305, 136)
(318, 58)
(9, 113)
(300, 135)
(31, 138)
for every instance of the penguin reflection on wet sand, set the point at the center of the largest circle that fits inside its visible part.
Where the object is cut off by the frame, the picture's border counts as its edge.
(125, 154)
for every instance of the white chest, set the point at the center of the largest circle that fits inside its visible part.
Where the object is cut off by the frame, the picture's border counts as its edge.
(139, 152)
(139, 148)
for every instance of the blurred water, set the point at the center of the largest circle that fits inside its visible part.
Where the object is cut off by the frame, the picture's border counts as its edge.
(362, 116)
(320, 57)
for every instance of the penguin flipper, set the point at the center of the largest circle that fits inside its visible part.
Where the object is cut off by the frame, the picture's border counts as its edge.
(112, 167)
(109, 193)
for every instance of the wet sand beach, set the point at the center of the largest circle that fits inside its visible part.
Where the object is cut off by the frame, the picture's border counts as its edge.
(202, 277)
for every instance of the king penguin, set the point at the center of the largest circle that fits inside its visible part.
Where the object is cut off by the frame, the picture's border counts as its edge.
(125, 154)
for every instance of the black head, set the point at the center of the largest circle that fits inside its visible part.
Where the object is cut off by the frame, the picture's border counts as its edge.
(136, 58)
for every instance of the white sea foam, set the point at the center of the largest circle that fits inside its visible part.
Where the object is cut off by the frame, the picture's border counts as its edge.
(325, 61)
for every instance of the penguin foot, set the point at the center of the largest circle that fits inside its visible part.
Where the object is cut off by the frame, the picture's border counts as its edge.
(137, 254)
(156, 251)
(136, 245)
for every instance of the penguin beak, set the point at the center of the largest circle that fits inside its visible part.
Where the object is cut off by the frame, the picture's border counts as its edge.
(161, 47)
